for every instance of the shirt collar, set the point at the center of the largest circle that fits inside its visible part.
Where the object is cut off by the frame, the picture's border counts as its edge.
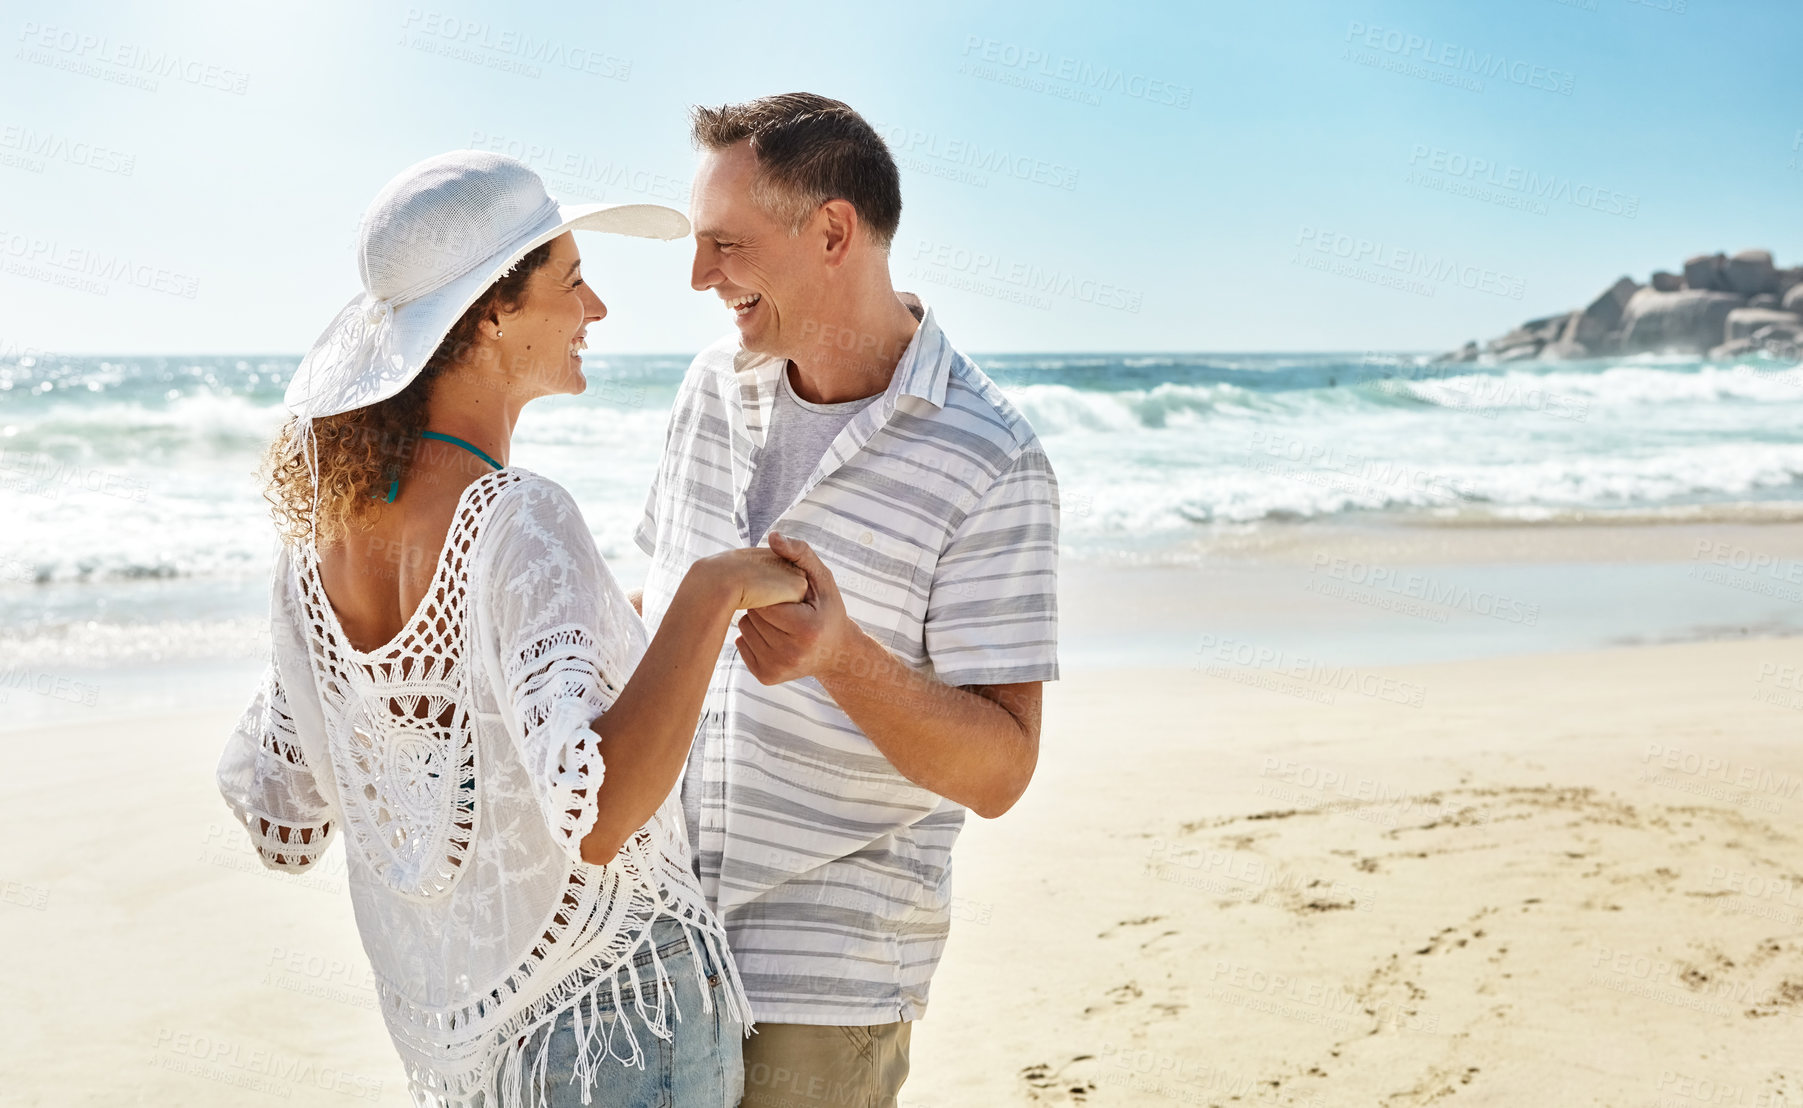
(926, 365)
(923, 372)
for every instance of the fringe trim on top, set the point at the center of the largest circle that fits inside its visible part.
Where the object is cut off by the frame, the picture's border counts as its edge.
(604, 1033)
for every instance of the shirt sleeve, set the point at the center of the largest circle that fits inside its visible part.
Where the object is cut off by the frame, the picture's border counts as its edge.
(264, 774)
(992, 616)
(646, 535)
(565, 638)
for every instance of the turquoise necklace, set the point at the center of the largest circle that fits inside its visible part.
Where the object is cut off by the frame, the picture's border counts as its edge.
(394, 483)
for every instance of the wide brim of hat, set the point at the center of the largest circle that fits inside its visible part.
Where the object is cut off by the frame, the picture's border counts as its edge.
(328, 383)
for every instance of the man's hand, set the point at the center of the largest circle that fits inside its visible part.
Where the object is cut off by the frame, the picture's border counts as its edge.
(807, 639)
(976, 746)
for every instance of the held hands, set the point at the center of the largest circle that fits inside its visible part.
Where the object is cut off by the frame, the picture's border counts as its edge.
(803, 637)
(756, 576)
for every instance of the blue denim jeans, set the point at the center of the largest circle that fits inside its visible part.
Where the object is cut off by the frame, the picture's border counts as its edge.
(701, 1067)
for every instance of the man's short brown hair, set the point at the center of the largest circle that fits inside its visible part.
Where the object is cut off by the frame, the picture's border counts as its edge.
(810, 149)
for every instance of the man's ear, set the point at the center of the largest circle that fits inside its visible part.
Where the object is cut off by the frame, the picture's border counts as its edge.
(839, 223)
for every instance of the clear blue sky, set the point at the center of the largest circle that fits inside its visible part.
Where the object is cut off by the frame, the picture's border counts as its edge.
(271, 126)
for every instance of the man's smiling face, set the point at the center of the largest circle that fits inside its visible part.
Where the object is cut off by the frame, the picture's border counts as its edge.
(768, 278)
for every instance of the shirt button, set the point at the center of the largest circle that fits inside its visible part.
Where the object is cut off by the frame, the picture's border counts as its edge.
(867, 538)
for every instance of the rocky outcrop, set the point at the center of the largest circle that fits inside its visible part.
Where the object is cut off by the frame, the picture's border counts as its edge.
(1527, 340)
(1751, 272)
(1705, 271)
(1775, 340)
(1603, 316)
(1744, 322)
(1689, 321)
(1721, 307)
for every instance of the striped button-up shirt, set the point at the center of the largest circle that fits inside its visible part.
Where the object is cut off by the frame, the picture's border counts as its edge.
(937, 512)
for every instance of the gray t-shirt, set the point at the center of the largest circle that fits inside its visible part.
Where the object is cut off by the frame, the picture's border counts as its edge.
(797, 439)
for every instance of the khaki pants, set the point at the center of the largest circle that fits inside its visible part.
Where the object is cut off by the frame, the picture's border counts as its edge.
(798, 1065)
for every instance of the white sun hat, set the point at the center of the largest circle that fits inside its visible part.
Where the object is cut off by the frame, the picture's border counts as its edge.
(434, 240)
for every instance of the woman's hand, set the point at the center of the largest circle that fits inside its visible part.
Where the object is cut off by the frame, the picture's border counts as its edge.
(755, 577)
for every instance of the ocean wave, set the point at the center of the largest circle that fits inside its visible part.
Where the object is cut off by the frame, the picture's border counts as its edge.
(1374, 386)
(134, 471)
(1055, 409)
(1615, 387)
(1255, 487)
(198, 428)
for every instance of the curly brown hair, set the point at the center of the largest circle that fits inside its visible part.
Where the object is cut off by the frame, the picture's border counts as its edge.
(361, 451)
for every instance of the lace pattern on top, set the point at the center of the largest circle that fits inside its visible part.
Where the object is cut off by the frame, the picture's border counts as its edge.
(559, 689)
(268, 787)
(407, 774)
(461, 758)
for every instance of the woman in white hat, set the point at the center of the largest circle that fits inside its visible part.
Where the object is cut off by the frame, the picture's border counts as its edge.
(459, 684)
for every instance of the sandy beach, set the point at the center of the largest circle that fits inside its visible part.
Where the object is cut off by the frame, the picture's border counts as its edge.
(1427, 449)
(1245, 873)
(1564, 879)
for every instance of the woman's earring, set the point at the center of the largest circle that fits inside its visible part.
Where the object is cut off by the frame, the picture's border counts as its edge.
(498, 334)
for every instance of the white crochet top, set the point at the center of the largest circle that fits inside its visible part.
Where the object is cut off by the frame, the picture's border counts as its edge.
(458, 760)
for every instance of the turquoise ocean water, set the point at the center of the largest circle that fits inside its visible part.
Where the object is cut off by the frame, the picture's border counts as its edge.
(133, 529)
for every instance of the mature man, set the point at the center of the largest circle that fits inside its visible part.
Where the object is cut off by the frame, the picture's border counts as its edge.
(845, 736)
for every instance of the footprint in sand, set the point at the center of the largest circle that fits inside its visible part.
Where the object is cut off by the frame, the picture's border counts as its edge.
(1121, 994)
(1434, 898)
(1069, 1083)
(1140, 922)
